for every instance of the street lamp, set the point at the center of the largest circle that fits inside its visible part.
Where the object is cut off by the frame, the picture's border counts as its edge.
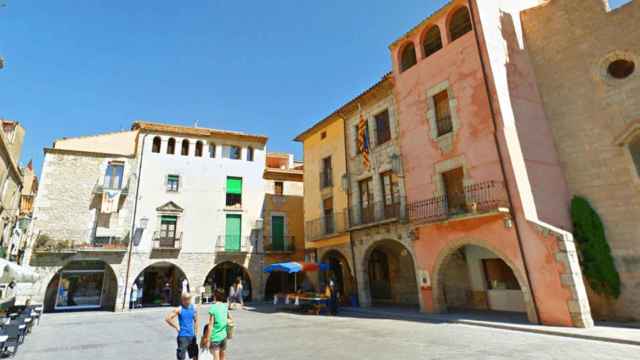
(396, 164)
(137, 235)
(143, 223)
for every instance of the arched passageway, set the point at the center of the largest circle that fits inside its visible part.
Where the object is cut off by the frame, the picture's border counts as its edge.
(160, 284)
(223, 275)
(339, 272)
(391, 275)
(82, 285)
(472, 277)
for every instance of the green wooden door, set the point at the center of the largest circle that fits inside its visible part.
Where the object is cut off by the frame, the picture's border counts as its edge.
(232, 235)
(277, 233)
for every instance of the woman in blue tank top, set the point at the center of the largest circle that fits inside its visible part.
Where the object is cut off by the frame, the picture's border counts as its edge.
(186, 328)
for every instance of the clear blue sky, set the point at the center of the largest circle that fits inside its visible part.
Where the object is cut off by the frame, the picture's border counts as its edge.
(267, 67)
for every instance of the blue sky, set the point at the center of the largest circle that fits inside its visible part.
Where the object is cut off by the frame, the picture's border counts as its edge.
(267, 67)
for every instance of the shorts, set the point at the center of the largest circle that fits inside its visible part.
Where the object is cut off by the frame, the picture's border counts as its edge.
(187, 345)
(218, 345)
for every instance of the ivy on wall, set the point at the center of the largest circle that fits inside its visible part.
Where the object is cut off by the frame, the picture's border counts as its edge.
(596, 260)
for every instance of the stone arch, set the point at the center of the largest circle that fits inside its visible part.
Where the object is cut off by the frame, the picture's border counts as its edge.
(161, 283)
(235, 268)
(439, 301)
(407, 56)
(341, 271)
(459, 23)
(402, 281)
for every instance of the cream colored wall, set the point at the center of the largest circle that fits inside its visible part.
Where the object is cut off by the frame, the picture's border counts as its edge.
(117, 143)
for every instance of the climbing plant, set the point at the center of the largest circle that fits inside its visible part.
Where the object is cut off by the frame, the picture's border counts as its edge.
(596, 260)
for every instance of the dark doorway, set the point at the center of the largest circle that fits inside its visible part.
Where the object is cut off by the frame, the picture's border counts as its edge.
(223, 275)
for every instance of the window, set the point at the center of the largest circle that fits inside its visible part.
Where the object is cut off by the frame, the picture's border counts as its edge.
(279, 188)
(157, 142)
(199, 149)
(357, 136)
(168, 230)
(366, 200)
(249, 153)
(323, 135)
(171, 146)
(185, 147)
(454, 190)
(327, 211)
(113, 176)
(383, 130)
(326, 175)
(408, 57)
(233, 231)
(389, 188)
(234, 192)
(460, 23)
(432, 41)
(231, 152)
(634, 148)
(621, 69)
(499, 275)
(443, 114)
(212, 150)
(173, 183)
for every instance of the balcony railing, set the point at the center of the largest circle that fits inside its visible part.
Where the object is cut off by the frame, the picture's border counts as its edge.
(97, 244)
(484, 197)
(234, 244)
(326, 226)
(279, 244)
(376, 212)
(161, 241)
(100, 188)
(326, 178)
(26, 204)
(444, 124)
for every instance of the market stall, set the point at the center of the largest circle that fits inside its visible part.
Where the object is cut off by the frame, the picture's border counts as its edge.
(299, 300)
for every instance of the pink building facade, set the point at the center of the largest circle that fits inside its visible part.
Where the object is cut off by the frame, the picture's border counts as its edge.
(487, 200)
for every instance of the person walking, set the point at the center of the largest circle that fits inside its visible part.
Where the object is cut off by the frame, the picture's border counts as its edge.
(139, 303)
(187, 327)
(236, 294)
(217, 329)
(134, 296)
(333, 298)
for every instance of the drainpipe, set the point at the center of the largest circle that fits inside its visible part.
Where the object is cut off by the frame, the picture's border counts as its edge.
(490, 99)
(133, 224)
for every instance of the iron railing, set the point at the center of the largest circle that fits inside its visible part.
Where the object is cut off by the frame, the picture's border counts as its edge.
(164, 242)
(326, 178)
(477, 198)
(279, 244)
(234, 244)
(100, 188)
(444, 124)
(375, 212)
(326, 226)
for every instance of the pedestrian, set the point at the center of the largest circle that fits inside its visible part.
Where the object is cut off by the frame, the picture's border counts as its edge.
(187, 328)
(333, 298)
(185, 286)
(236, 294)
(134, 296)
(140, 295)
(218, 325)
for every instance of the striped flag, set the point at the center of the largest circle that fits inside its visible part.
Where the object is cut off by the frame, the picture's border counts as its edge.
(363, 139)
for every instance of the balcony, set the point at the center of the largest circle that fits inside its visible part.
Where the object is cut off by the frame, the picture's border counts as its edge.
(99, 188)
(164, 242)
(326, 226)
(105, 244)
(326, 178)
(377, 212)
(478, 199)
(26, 204)
(234, 244)
(286, 244)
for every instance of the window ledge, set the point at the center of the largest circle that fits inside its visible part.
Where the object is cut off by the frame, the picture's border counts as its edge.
(233, 208)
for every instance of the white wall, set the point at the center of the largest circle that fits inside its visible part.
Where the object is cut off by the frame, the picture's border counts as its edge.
(202, 190)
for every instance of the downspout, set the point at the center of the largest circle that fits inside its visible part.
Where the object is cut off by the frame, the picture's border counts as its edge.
(490, 99)
(133, 224)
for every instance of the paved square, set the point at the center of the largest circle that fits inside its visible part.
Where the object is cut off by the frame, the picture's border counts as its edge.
(264, 335)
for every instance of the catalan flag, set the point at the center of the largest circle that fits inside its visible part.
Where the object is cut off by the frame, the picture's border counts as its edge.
(363, 139)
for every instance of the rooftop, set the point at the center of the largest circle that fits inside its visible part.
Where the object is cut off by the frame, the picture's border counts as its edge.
(146, 126)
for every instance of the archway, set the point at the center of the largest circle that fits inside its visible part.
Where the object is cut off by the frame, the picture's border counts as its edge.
(223, 275)
(82, 285)
(474, 277)
(161, 284)
(339, 272)
(391, 276)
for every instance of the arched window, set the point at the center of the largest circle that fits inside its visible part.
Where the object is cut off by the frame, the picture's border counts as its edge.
(408, 57)
(432, 41)
(460, 23)
(199, 149)
(156, 144)
(185, 147)
(171, 146)
(634, 148)
(249, 153)
(212, 150)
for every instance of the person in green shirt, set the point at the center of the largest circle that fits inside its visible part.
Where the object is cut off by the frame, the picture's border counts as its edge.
(219, 319)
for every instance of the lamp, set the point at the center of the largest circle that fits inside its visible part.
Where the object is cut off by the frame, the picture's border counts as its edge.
(396, 164)
(144, 222)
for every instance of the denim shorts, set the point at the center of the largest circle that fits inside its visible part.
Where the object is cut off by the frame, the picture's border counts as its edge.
(187, 345)
(218, 345)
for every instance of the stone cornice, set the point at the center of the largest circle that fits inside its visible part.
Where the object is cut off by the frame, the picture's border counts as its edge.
(149, 127)
(85, 153)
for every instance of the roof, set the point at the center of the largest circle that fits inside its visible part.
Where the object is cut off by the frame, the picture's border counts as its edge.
(387, 78)
(283, 174)
(145, 126)
(418, 27)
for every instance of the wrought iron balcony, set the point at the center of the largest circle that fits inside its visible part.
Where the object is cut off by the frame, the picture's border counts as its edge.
(326, 226)
(376, 212)
(234, 244)
(480, 198)
(163, 241)
(99, 188)
(285, 244)
(326, 178)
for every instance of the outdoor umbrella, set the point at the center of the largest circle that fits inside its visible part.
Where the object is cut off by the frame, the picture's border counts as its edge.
(10, 271)
(293, 267)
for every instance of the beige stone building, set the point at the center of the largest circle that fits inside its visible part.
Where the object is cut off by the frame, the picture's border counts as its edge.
(586, 59)
(11, 140)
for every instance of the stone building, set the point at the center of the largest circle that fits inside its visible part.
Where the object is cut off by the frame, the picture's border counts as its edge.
(586, 58)
(11, 140)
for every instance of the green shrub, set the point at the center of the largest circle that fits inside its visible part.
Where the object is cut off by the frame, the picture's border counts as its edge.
(596, 260)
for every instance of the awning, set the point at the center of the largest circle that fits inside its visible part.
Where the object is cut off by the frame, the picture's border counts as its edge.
(295, 267)
(10, 271)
